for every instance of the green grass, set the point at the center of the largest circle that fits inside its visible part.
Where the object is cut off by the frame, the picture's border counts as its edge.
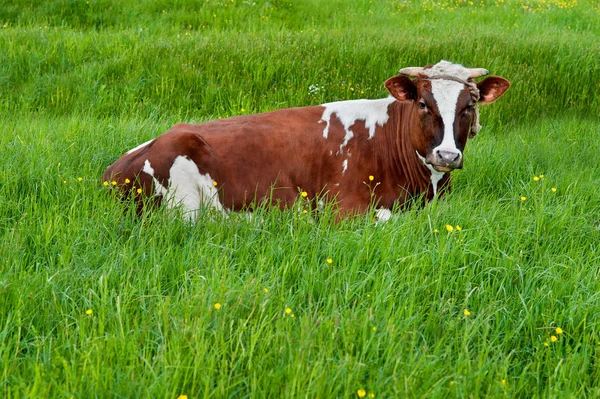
(82, 83)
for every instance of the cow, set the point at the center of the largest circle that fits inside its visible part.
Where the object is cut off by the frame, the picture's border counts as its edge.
(362, 154)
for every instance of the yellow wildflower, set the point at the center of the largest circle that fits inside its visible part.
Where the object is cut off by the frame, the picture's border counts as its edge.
(105, 183)
(127, 181)
(371, 395)
(64, 182)
(503, 382)
(449, 228)
(181, 396)
(553, 338)
(243, 110)
(266, 290)
(288, 310)
(304, 194)
(217, 306)
(374, 328)
(371, 178)
(436, 231)
(79, 178)
(139, 190)
(535, 178)
(523, 198)
(114, 183)
(215, 183)
(458, 228)
(553, 189)
(546, 343)
(330, 261)
(559, 330)
(361, 393)
(305, 211)
(466, 312)
(541, 176)
(89, 312)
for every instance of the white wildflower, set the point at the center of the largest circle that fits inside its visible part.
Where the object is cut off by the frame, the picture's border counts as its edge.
(312, 89)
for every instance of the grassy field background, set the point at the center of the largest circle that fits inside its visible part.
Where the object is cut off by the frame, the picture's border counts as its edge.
(95, 302)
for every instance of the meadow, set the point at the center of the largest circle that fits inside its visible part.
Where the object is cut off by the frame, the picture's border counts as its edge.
(489, 292)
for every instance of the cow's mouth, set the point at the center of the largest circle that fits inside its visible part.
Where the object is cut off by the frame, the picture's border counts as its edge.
(445, 161)
(442, 169)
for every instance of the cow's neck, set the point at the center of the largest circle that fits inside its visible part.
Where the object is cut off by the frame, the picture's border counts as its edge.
(407, 168)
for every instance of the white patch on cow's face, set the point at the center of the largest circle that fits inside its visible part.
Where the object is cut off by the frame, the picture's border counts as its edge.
(383, 214)
(373, 112)
(191, 189)
(445, 93)
(139, 146)
(344, 166)
(435, 175)
(159, 189)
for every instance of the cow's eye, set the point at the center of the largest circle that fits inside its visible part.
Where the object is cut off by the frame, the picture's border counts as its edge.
(422, 105)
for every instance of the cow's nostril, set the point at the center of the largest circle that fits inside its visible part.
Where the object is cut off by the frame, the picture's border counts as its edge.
(448, 155)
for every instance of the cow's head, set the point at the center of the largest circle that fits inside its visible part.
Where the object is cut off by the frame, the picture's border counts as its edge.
(445, 114)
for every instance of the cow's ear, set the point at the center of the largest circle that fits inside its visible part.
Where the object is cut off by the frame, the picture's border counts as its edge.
(402, 88)
(491, 88)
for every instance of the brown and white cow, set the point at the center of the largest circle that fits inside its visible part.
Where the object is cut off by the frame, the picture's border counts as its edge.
(408, 143)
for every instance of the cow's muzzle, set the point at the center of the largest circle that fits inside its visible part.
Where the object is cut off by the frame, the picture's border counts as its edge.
(445, 160)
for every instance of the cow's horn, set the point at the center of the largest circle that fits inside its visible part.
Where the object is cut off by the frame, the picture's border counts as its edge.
(411, 71)
(477, 72)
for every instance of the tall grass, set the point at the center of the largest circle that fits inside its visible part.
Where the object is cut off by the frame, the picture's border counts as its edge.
(404, 309)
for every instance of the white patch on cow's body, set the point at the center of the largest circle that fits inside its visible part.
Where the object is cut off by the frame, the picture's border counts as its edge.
(435, 175)
(159, 189)
(345, 166)
(191, 189)
(383, 214)
(373, 112)
(187, 187)
(447, 68)
(139, 146)
(445, 93)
